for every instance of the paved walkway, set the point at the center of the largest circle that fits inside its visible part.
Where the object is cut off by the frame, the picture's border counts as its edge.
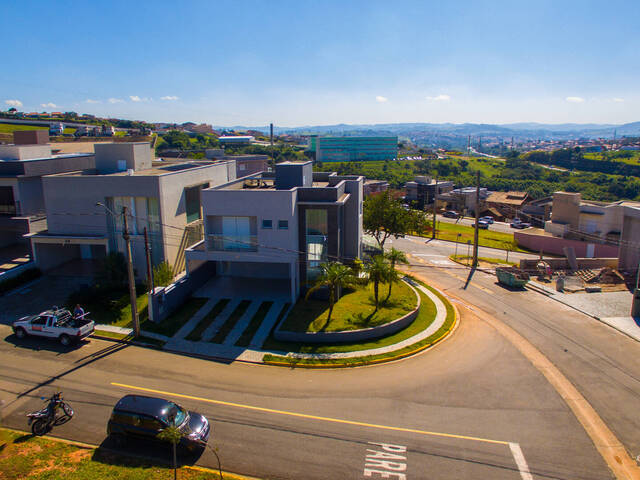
(612, 308)
(243, 322)
(268, 323)
(222, 317)
(188, 327)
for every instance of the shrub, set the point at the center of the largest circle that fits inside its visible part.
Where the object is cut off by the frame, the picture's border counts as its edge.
(162, 274)
(18, 280)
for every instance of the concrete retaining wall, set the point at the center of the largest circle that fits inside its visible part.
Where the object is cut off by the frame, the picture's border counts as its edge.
(165, 300)
(351, 335)
(554, 245)
(563, 263)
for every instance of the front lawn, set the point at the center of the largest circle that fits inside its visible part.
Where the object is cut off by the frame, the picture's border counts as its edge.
(353, 311)
(109, 307)
(426, 316)
(486, 238)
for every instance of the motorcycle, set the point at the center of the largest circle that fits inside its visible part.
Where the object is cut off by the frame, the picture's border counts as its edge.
(57, 412)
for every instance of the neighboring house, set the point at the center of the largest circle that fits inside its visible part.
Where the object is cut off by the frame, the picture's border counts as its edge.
(509, 204)
(463, 200)
(371, 187)
(424, 190)
(163, 197)
(353, 149)
(281, 227)
(538, 211)
(593, 229)
(22, 166)
(245, 164)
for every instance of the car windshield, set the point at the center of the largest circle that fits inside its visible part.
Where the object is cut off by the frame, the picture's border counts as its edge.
(175, 414)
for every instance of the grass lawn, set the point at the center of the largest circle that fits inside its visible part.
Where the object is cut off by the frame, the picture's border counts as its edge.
(36, 458)
(196, 334)
(354, 310)
(424, 319)
(231, 321)
(486, 238)
(467, 260)
(115, 309)
(177, 319)
(12, 127)
(254, 324)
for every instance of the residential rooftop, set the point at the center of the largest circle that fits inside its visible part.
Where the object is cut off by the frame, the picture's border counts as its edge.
(158, 168)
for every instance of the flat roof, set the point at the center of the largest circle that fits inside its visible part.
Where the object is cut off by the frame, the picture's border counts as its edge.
(157, 169)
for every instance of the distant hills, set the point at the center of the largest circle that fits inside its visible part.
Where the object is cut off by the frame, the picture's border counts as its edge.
(520, 131)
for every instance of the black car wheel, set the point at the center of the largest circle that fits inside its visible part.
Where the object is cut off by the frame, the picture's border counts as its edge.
(118, 440)
(65, 340)
(21, 333)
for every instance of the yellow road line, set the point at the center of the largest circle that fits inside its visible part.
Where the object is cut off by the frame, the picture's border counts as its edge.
(313, 417)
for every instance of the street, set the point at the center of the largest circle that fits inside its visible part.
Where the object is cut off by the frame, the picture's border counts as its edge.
(472, 407)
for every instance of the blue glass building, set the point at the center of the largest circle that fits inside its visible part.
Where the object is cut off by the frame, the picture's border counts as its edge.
(353, 149)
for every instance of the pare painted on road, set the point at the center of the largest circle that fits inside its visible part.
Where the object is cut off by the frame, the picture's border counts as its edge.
(386, 461)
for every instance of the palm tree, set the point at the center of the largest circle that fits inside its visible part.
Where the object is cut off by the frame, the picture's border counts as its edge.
(378, 271)
(334, 276)
(173, 435)
(394, 256)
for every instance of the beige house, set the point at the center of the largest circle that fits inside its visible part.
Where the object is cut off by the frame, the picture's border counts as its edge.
(84, 208)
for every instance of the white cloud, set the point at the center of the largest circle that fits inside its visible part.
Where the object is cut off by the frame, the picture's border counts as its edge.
(169, 97)
(381, 99)
(89, 100)
(575, 99)
(439, 98)
(50, 105)
(618, 99)
(13, 103)
(115, 100)
(135, 98)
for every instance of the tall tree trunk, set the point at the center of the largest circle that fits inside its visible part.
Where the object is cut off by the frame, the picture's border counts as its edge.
(331, 302)
(393, 269)
(376, 284)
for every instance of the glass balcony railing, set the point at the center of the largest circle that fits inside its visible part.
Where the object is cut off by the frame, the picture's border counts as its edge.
(232, 243)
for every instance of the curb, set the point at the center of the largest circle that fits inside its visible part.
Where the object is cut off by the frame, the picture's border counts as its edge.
(401, 356)
(122, 340)
(90, 446)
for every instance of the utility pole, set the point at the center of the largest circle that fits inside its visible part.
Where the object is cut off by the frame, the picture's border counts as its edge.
(132, 282)
(273, 160)
(435, 201)
(148, 254)
(475, 231)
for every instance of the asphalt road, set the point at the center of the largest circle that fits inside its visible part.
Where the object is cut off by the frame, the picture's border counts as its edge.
(460, 410)
(469, 222)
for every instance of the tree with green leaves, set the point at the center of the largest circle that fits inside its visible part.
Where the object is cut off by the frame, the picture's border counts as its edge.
(172, 434)
(394, 256)
(384, 217)
(378, 271)
(162, 274)
(334, 276)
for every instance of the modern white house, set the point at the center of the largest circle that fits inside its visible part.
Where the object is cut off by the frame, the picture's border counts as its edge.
(279, 228)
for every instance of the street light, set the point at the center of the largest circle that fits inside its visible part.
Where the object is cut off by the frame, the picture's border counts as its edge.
(132, 282)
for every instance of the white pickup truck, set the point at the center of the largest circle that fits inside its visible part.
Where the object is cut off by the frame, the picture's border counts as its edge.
(56, 323)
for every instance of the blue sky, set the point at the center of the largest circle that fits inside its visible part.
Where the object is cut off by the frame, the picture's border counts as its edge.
(324, 62)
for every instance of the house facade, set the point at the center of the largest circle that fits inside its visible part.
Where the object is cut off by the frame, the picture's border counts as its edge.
(281, 227)
(84, 208)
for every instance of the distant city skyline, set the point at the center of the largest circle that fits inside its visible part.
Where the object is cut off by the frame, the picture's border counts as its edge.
(299, 63)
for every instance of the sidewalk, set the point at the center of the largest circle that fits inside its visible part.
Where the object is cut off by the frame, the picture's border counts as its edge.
(611, 308)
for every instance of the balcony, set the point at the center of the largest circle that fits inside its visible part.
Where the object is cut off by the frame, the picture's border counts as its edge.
(232, 243)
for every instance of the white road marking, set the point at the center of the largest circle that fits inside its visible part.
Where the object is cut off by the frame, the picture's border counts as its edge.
(518, 456)
(377, 462)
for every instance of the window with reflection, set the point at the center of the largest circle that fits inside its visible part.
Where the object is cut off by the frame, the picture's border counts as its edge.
(317, 232)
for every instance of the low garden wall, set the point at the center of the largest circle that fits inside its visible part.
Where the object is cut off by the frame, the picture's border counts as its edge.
(350, 336)
(165, 300)
(563, 263)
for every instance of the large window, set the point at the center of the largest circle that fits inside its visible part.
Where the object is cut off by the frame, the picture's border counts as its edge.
(7, 203)
(143, 212)
(232, 233)
(192, 202)
(317, 231)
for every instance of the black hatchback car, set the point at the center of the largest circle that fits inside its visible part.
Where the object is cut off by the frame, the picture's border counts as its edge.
(143, 418)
